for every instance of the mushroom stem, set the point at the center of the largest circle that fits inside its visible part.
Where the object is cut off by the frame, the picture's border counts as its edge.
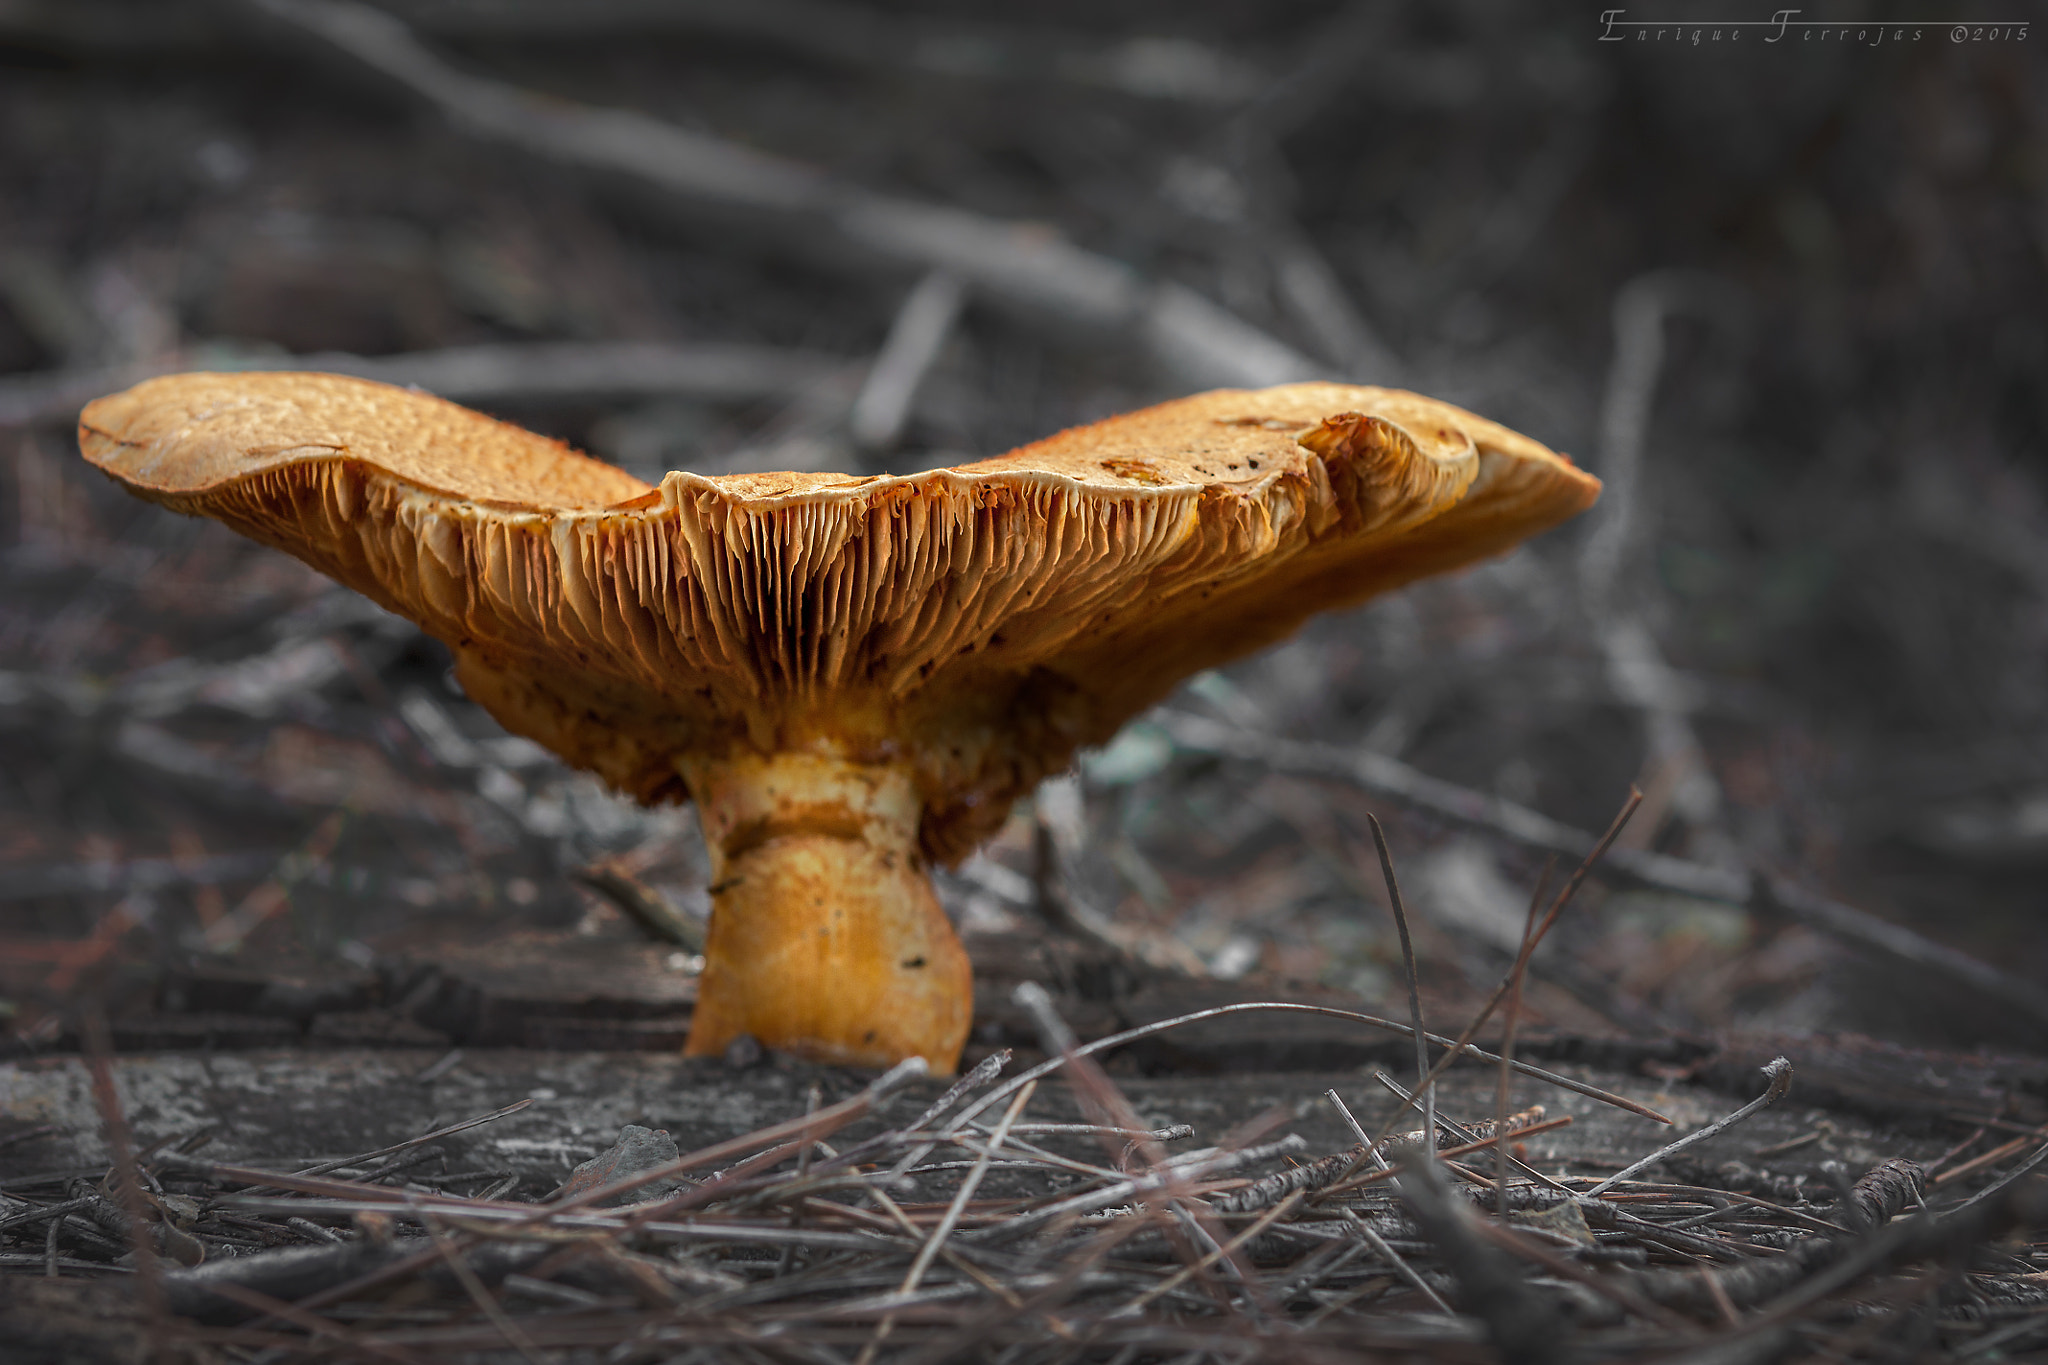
(826, 938)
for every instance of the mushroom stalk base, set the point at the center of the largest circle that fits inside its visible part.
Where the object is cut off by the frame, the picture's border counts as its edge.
(826, 938)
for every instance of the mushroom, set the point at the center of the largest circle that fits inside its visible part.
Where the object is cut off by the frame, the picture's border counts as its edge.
(852, 677)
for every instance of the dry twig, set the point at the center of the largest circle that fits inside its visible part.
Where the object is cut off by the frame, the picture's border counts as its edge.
(1763, 893)
(1028, 268)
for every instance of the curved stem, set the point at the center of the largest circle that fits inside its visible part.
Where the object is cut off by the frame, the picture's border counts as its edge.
(826, 939)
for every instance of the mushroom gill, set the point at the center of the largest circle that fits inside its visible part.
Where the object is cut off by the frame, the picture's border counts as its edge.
(852, 677)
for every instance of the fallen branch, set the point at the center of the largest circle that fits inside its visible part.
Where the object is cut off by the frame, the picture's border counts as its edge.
(918, 334)
(647, 908)
(1176, 69)
(1780, 1073)
(1679, 773)
(1527, 1328)
(1755, 891)
(1029, 267)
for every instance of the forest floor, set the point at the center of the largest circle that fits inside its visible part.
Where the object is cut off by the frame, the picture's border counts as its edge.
(1790, 302)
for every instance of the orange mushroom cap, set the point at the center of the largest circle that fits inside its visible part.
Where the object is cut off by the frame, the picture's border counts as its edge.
(979, 623)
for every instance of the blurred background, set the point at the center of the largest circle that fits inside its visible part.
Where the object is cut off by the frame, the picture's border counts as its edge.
(1786, 296)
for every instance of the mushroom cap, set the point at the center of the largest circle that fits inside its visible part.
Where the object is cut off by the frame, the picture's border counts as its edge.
(979, 623)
